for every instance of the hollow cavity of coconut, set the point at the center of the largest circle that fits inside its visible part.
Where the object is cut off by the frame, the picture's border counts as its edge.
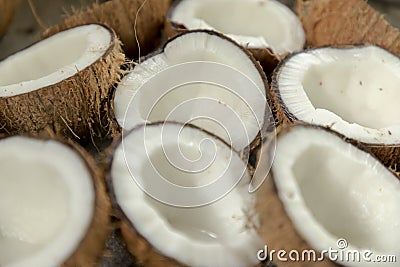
(199, 77)
(183, 198)
(8, 10)
(352, 90)
(62, 84)
(138, 23)
(330, 194)
(53, 204)
(332, 22)
(267, 28)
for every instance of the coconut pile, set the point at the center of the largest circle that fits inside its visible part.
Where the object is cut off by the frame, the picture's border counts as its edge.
(202, 133)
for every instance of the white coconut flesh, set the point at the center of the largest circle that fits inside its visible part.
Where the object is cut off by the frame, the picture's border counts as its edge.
(46, 202)
(251, 23)
(353, 90)
(54, 59)
(221, 233)
(333, 190)
(234, 111)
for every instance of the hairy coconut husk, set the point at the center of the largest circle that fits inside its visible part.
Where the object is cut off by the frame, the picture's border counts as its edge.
(92, 245)
(328, 22)
(75, 108)
(138, 23)
(278, 231)
(8, 9)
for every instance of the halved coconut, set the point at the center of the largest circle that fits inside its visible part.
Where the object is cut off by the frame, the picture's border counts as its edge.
(338, 198)
(138, 23)
(8, 9)
(353, 90)
(331, 22)
(61, 83)
(199, 77)
(183, 198)
(53, 204)
(267, 27)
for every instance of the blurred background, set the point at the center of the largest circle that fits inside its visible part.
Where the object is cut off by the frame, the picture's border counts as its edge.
(25, 30)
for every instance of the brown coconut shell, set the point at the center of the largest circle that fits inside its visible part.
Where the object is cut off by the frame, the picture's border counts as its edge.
(138, 23)
(90, 248)
(278, 231)
(268, 125)
(328, 22)
(388, 154)
(92, 245)
(144, 253)
(75, 108)
(8, 10)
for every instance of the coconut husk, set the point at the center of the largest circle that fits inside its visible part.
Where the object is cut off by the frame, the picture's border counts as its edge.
(8, 10)
(328, 22)
(278, 231)
(91, 247)
(138, 23)
(75, 108)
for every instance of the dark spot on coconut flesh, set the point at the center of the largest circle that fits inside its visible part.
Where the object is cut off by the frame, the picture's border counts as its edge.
(390, 133)
(360, 82)
(380, 89)
(320, 83)
(261, 3)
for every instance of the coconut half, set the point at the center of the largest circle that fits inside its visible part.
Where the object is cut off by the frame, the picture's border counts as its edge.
(139, 24)
(199, 77)
(332, 22)
(183, 198)
(61, 83)
(8, 11)
(332, 190)
(334, 87)
(269, 28)
(53, 205)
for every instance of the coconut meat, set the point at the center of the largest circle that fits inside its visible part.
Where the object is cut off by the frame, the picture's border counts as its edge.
(46, 202)
(352, 90)
(54, 59)
(251, 23)
(332, 190)
(219, 233)
(237, 105)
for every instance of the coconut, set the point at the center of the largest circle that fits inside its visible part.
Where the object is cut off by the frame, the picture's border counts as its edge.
(267, 27)
(198, 69)
(330, 193)
(329, 22)
(333, 87)
(138, 23)
(182, 196)
(54, 207)
(62, 84)
(8, 10)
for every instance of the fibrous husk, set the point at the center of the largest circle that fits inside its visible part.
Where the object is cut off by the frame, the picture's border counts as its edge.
(8, 9)
(329, 22)
(92, 245)
(75, 108)
(138, 23)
